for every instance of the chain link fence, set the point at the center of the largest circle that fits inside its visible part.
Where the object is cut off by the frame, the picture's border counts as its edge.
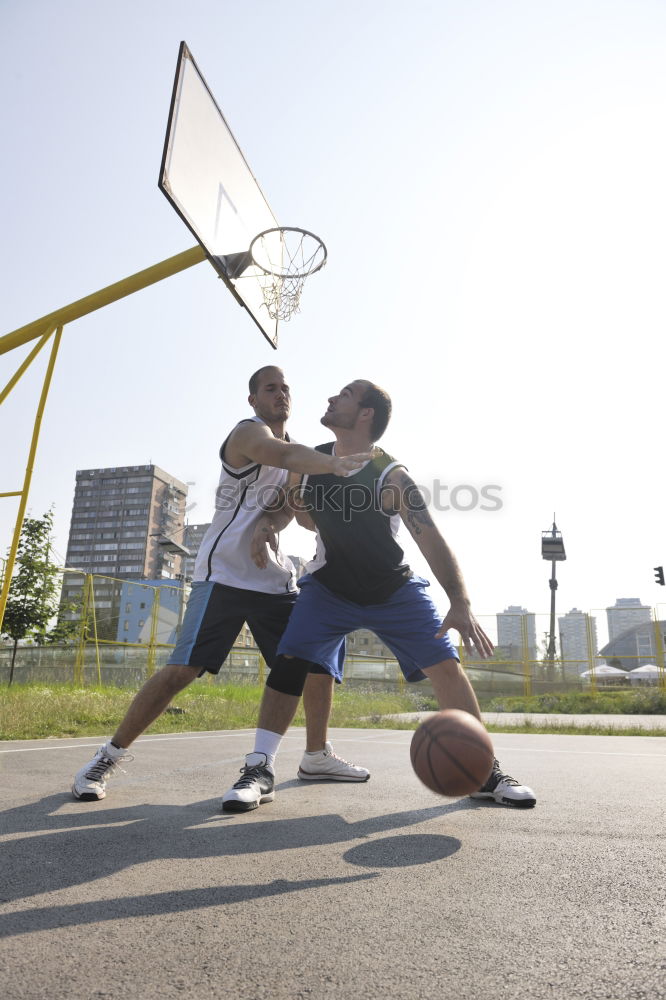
(123, 631)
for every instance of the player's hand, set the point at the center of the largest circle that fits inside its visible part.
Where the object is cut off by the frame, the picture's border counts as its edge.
(263, 537)
(350, 463)
(473, 637)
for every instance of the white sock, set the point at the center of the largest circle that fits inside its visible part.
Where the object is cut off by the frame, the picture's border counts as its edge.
(267, 743)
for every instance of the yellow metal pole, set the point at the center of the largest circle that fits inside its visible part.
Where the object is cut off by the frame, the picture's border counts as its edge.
(79, 663)
(153, 632)
(28, 475)
(94, 618)
(26, 364)
(659, 642)
(592, 654)
(103, 297)
(527, 672)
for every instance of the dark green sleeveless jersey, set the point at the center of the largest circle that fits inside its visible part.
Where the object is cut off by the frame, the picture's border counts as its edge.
(357, 555)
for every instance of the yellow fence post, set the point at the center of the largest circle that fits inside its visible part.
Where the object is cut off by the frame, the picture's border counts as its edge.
(659, 643)
(83, 633)
(154, 617)
(94, 618)
(591, 653)
(527, 670)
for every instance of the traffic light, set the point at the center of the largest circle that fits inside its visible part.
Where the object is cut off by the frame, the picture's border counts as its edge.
(659, 575)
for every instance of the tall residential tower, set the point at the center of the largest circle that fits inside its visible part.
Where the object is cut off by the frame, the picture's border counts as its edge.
(127, 524)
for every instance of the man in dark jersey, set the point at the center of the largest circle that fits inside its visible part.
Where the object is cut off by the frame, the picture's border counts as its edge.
(359, 579)
(229, 589)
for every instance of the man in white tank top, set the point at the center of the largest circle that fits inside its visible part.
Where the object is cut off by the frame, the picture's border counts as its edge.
(228, 589)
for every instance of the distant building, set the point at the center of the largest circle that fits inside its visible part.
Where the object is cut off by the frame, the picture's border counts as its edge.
(120, 520)
(193, 536)
(363, 642)
(625, 614)
(636, 646)
(516, 632)
(136, 623)
(245, 638)
(135, 611)
(127, 524)
(578, 641)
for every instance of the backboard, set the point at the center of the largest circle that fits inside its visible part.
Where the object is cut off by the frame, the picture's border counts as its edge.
(209, 183)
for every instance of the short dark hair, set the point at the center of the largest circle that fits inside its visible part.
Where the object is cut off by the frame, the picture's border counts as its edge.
(254, 379)
(380, 401)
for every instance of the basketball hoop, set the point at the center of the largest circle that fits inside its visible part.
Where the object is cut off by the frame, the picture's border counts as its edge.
(286, 256)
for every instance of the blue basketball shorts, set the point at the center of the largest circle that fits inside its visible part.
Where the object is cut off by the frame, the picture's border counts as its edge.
(406, 623)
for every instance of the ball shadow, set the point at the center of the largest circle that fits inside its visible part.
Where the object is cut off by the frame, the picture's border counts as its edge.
(403, 851)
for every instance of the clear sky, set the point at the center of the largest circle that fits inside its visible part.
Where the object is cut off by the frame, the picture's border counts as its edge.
(489, 180)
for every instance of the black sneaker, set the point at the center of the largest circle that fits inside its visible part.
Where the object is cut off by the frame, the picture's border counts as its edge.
(253, 788)
(504, 789)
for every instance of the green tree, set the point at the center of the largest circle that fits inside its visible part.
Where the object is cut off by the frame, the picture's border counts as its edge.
(34, 595)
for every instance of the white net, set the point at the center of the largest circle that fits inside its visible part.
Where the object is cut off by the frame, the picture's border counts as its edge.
(286, 257)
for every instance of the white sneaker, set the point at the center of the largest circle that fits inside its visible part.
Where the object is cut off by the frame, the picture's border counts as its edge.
(90, 782)
(325, 765)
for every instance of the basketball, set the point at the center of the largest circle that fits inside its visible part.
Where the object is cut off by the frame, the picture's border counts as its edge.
(452, 753)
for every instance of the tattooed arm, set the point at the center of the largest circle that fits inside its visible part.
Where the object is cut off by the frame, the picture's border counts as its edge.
(402, 496)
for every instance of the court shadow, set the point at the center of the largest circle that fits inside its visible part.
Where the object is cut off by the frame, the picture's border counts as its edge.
(51, 852)
(178, 901)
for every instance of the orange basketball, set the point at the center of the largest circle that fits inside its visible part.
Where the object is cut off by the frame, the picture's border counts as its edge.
(452, 753)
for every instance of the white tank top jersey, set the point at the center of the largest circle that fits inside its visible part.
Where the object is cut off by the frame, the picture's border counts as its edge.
(241, 498)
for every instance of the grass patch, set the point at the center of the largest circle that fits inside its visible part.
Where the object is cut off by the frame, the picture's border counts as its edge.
(595, 729)
(39, 711)
(647, 701)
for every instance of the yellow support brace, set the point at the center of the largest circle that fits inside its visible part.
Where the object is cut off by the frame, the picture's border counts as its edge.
(43, 328)
(103, 297)
(11, 558)
(23, 368)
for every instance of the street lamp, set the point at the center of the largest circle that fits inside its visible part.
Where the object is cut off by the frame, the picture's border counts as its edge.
(552, 548)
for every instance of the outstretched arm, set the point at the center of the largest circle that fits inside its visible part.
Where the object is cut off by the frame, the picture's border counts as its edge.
(253, 442)
(406, 499)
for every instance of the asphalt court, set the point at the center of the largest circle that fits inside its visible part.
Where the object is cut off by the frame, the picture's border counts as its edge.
(333, 890)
